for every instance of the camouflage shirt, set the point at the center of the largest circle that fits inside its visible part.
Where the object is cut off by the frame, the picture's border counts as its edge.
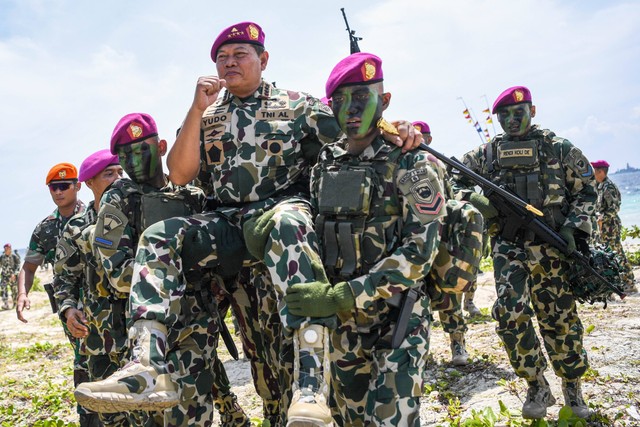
(9, 264)
(42, 246)
(609, 200)
(262, 147)
(120, 223)
(395, 212)
(563, 182)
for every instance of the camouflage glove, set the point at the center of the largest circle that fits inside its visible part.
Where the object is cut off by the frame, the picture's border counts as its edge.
(256, 232)
(567, 235)
(483, 205)
(196, 245)
(319, 299)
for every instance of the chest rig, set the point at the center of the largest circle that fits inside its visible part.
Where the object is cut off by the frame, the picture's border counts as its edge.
(359, 213)
(145, 209)
(532, 170)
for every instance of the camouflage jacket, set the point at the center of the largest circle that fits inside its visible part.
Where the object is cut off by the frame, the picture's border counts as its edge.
(609, 200)
(394, 203)
(119, 225)
(80, 283)
(563, 178)
(261, 148)
(9, 264)
(42, 246)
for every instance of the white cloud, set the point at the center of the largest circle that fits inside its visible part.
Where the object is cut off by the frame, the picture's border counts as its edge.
(71, 70)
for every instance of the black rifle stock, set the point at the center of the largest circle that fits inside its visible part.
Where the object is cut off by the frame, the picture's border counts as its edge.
(520, 214)
(353, 40)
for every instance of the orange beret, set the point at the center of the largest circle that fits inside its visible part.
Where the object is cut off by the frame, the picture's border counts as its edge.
(62, 172)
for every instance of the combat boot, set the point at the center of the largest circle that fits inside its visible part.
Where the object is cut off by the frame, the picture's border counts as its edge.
(231, 414)
(572, 392)
(469, 306)
(459, 355)
(142, 384)
(309, 402)
(539, 398)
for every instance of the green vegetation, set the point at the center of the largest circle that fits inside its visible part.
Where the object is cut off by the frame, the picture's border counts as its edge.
(632, 232)
(32, 392)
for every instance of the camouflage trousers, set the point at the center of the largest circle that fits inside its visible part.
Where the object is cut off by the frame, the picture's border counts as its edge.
(252, 301)
(449, 308)
(373, 384)
(531, 280)
(610, 236)
(7, 285)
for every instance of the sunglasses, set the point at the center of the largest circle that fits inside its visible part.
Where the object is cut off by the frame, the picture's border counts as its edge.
(61, 186)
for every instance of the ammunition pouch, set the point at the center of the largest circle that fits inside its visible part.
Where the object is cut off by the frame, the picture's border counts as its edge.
(158, 206)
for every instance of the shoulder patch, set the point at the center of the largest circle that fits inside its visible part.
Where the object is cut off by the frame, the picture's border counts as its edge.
(423, 192)
(110, 226)
(579, 163)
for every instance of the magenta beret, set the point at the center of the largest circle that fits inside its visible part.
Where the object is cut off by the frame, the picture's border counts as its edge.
(244, 32)
(358, 68)
(96, 163)
(132, 128)
(513, 95)
(422, 127)
(600, 164)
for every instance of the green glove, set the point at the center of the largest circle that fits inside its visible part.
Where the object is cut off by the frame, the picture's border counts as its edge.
(483, 205)
(196, 245)
(319, 299)
(256, 231)
(567, 235)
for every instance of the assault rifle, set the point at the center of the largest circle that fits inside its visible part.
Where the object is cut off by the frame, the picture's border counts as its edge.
(353, 40)
(521, 214)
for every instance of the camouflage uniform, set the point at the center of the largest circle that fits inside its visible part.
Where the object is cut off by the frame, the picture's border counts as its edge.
(80, 284)
(258, 153)
(394, 233)
(42, 250)
(531, 276)
(10, 266)
(121, 221)
(607, 208)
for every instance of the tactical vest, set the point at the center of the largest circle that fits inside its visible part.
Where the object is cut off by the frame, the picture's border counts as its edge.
(359, 214)
(531, 169)
(146, 209)
(49, 236)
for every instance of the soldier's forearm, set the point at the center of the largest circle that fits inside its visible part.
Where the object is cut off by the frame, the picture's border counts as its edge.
(25, 277)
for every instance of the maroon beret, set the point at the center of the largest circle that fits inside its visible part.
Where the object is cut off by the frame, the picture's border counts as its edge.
(600, 164)
(422, 127)
(358, 68)
(513, 95)
(132, 128)
(244, 32)
(96, 163)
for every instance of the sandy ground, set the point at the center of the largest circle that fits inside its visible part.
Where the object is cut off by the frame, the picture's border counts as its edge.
(612, 340)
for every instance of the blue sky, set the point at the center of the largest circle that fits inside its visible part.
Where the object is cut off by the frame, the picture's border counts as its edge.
(71, 69)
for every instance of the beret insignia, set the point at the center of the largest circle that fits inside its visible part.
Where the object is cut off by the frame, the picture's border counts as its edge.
(62, 174)
(518, 96)
(253, 32)
(135, 130)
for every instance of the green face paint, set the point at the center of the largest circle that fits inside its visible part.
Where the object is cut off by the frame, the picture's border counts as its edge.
(357, 109)
(140, 160)
(515, 120)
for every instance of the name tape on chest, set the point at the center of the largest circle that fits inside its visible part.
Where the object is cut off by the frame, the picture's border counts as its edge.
(516, 152)
(270, 114)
